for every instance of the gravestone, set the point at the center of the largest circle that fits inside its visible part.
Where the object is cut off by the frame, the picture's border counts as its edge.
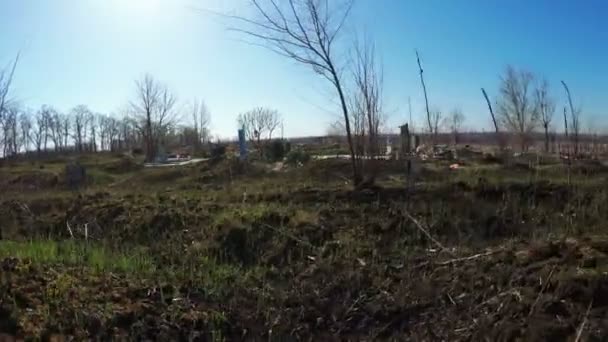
(75, 175)
(161, 155)
(242, 145)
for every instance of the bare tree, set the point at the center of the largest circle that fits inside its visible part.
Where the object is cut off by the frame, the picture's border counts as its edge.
(39, 130)
(154, 113)
(128, 135)
(105, 125)
(516, 106)
(306, 32)
(367, 98)
(114, 141)
(455, 121)
(25, 127)
(575, 114)
(114, 134)
(259, 123)
(103, 132)
(6, 80)
(436, 118)
(10, 130)
(426, 99)
(54, 125)
(109, 130)
(201, 120)
(357, 120)
(81, 115)
(47, 116)
(546, 107)
(65, 130)
(499, 138)
(148, 97)
(167, 116)
(93, 125)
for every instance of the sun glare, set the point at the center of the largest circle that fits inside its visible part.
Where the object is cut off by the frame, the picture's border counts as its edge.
(137, 6)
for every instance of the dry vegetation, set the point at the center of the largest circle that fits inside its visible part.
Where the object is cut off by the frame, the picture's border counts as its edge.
(226, 251)
(282, 245)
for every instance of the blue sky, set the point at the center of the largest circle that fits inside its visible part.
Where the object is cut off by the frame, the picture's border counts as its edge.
(91, 51)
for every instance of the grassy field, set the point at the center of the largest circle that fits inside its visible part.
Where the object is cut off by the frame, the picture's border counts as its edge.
(225, 251)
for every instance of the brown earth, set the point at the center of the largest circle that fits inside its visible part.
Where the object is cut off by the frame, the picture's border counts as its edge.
(243, 253)
(504, 294)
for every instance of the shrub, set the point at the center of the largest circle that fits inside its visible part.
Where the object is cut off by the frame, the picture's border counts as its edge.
(297, 157)
(218, 151)
(275, 151)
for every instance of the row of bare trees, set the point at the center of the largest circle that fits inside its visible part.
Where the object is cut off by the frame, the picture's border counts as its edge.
(151, 119)
(47, 129)
(525, 104)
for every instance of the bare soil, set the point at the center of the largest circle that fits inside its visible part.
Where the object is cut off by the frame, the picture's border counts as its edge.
(245, 253)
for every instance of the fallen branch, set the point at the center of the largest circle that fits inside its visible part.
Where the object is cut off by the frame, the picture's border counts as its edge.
(514, 292)
(25, 208)
(425, 231)
(453, 261)
(579, 334)
(67, 224)
(542, 290)
(472, 257)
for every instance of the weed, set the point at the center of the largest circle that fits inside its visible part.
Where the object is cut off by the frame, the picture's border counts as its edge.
(76, 253)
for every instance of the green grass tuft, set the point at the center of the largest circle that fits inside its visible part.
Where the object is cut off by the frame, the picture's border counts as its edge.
(78, 253)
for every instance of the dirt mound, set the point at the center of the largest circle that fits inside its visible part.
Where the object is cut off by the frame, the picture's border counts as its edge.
(589, 167)
(510, 292)
(499, 295)
(307, 261)
(164, 175)
(327, 169)
(31, 180)
(228, 170)
(137, 309)
(124, 164)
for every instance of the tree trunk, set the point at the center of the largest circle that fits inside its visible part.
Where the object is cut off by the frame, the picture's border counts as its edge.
(349, 138)
(150, 154)
(498, 137)
(426, 99)
(546, 138)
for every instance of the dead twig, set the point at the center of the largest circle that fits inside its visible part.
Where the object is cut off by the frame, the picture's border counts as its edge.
(513, 292)
(457, 260)
(25, 208)
(451, 299)
(425, 231)
(355, 303)
(579, 334)
(472, 257)
(67, 224)
(293, 237)
(542, 290)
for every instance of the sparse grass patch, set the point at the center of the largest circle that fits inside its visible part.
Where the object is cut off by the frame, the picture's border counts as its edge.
(234, 254)
(79, 253)
(303, 216)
